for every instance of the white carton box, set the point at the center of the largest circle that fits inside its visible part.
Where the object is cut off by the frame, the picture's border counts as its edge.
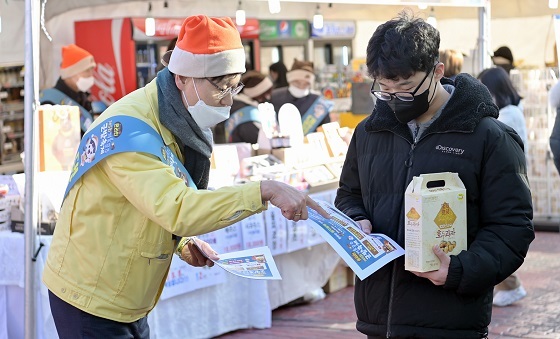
(435, 213)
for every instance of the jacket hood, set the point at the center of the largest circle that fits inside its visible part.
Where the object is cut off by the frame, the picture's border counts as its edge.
(470, 102)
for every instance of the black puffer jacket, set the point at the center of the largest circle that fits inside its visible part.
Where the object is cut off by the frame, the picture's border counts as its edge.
(488, 156)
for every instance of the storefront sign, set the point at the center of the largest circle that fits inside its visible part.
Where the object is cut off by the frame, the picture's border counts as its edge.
(335, 29)
(284, 29)
(109, 40)
(250, 30)
(165, 28)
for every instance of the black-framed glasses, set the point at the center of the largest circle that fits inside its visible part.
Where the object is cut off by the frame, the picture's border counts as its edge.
(230, 90)
(403, 96)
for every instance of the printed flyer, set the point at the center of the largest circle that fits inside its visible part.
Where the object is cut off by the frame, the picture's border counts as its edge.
(364, 253)
(254, 263)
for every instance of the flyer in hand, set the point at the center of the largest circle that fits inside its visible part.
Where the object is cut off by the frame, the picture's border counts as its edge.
(364, 253)
(254, 263)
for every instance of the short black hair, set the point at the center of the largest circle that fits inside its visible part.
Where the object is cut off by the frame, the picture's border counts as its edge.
(401, 47)
(499, 84)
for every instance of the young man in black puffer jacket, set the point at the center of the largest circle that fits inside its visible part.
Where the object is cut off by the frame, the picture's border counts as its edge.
(424, 123)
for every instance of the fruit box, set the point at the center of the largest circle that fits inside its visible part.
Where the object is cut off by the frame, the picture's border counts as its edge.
(435, 213)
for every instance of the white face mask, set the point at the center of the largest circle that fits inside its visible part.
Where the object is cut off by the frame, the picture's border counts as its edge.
(298, 92)
(85, 84)
(204, 115)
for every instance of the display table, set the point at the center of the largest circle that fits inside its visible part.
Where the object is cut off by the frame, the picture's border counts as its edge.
(238, 303)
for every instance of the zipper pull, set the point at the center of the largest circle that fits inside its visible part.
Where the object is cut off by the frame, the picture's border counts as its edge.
(408, 162)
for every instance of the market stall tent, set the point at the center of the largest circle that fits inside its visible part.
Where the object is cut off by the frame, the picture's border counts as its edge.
(459, 26)
(523, 25)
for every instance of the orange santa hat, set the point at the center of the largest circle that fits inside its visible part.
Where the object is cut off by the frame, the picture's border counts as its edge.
(75, 60)
(207, 47)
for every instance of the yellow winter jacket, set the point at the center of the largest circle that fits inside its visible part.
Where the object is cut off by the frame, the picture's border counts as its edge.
(112, 246)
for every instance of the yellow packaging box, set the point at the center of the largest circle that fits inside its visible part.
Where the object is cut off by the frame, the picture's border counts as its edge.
(435, 213)
(59, 137)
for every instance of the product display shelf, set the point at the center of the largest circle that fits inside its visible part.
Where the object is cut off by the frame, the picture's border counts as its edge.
(11, 119)
(534, 86)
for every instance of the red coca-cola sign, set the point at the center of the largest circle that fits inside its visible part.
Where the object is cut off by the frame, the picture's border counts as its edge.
(250, 30)
(110, 41)
(165, 28)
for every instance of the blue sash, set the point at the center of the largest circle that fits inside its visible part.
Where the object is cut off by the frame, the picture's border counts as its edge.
(56, 96)
(315, 114)
(118, 134)
(241, 116)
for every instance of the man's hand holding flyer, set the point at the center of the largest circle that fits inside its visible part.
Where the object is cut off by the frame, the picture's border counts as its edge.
(364, 253)
(254, 263)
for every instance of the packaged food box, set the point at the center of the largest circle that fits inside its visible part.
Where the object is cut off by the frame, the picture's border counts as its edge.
(435, 213)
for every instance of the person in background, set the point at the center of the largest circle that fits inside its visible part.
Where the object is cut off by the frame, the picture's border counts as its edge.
(503, 58)
(313, 108)
(73, 85)
(424, 123)
(554, 99)
(137, 193)
(170, 46)
(277, 72)
(244, 122)
(452, 61)
(508, 101)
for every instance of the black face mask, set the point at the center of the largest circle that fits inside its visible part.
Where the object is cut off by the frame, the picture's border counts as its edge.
(406, 111)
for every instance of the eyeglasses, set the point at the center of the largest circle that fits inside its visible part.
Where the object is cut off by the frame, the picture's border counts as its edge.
(403, 96)
(230, 90)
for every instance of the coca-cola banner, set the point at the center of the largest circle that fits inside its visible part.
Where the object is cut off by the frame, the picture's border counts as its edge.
(110, 41)
(250, 30)
(164, 28)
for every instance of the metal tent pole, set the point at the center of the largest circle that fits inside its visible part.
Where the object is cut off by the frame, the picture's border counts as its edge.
(484, 60)
(31, 91)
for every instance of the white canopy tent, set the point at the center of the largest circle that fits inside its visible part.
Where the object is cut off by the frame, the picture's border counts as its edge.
(60, 15)
(524, 25)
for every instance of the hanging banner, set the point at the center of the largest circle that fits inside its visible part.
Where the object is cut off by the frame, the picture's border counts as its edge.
(250, 30)
(335, 30)
(284, 29)
(165, 28)
(183, 278)
(110, 42)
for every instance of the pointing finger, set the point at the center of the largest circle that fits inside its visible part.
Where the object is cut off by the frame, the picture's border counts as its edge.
(312, 204)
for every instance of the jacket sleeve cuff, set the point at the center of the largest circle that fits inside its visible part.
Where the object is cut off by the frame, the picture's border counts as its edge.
(252, 197)
(359, 217)
(454, 274)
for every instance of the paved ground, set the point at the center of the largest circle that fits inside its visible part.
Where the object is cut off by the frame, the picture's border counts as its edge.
(536, 316)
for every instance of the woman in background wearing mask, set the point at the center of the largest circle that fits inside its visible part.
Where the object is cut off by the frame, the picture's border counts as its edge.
(74, 83)
(137, 191)
(313, 108)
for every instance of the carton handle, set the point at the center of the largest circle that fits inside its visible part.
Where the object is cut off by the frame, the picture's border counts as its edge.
(446, 177)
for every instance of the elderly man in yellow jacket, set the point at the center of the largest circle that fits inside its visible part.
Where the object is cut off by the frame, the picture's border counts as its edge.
(138, 185)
